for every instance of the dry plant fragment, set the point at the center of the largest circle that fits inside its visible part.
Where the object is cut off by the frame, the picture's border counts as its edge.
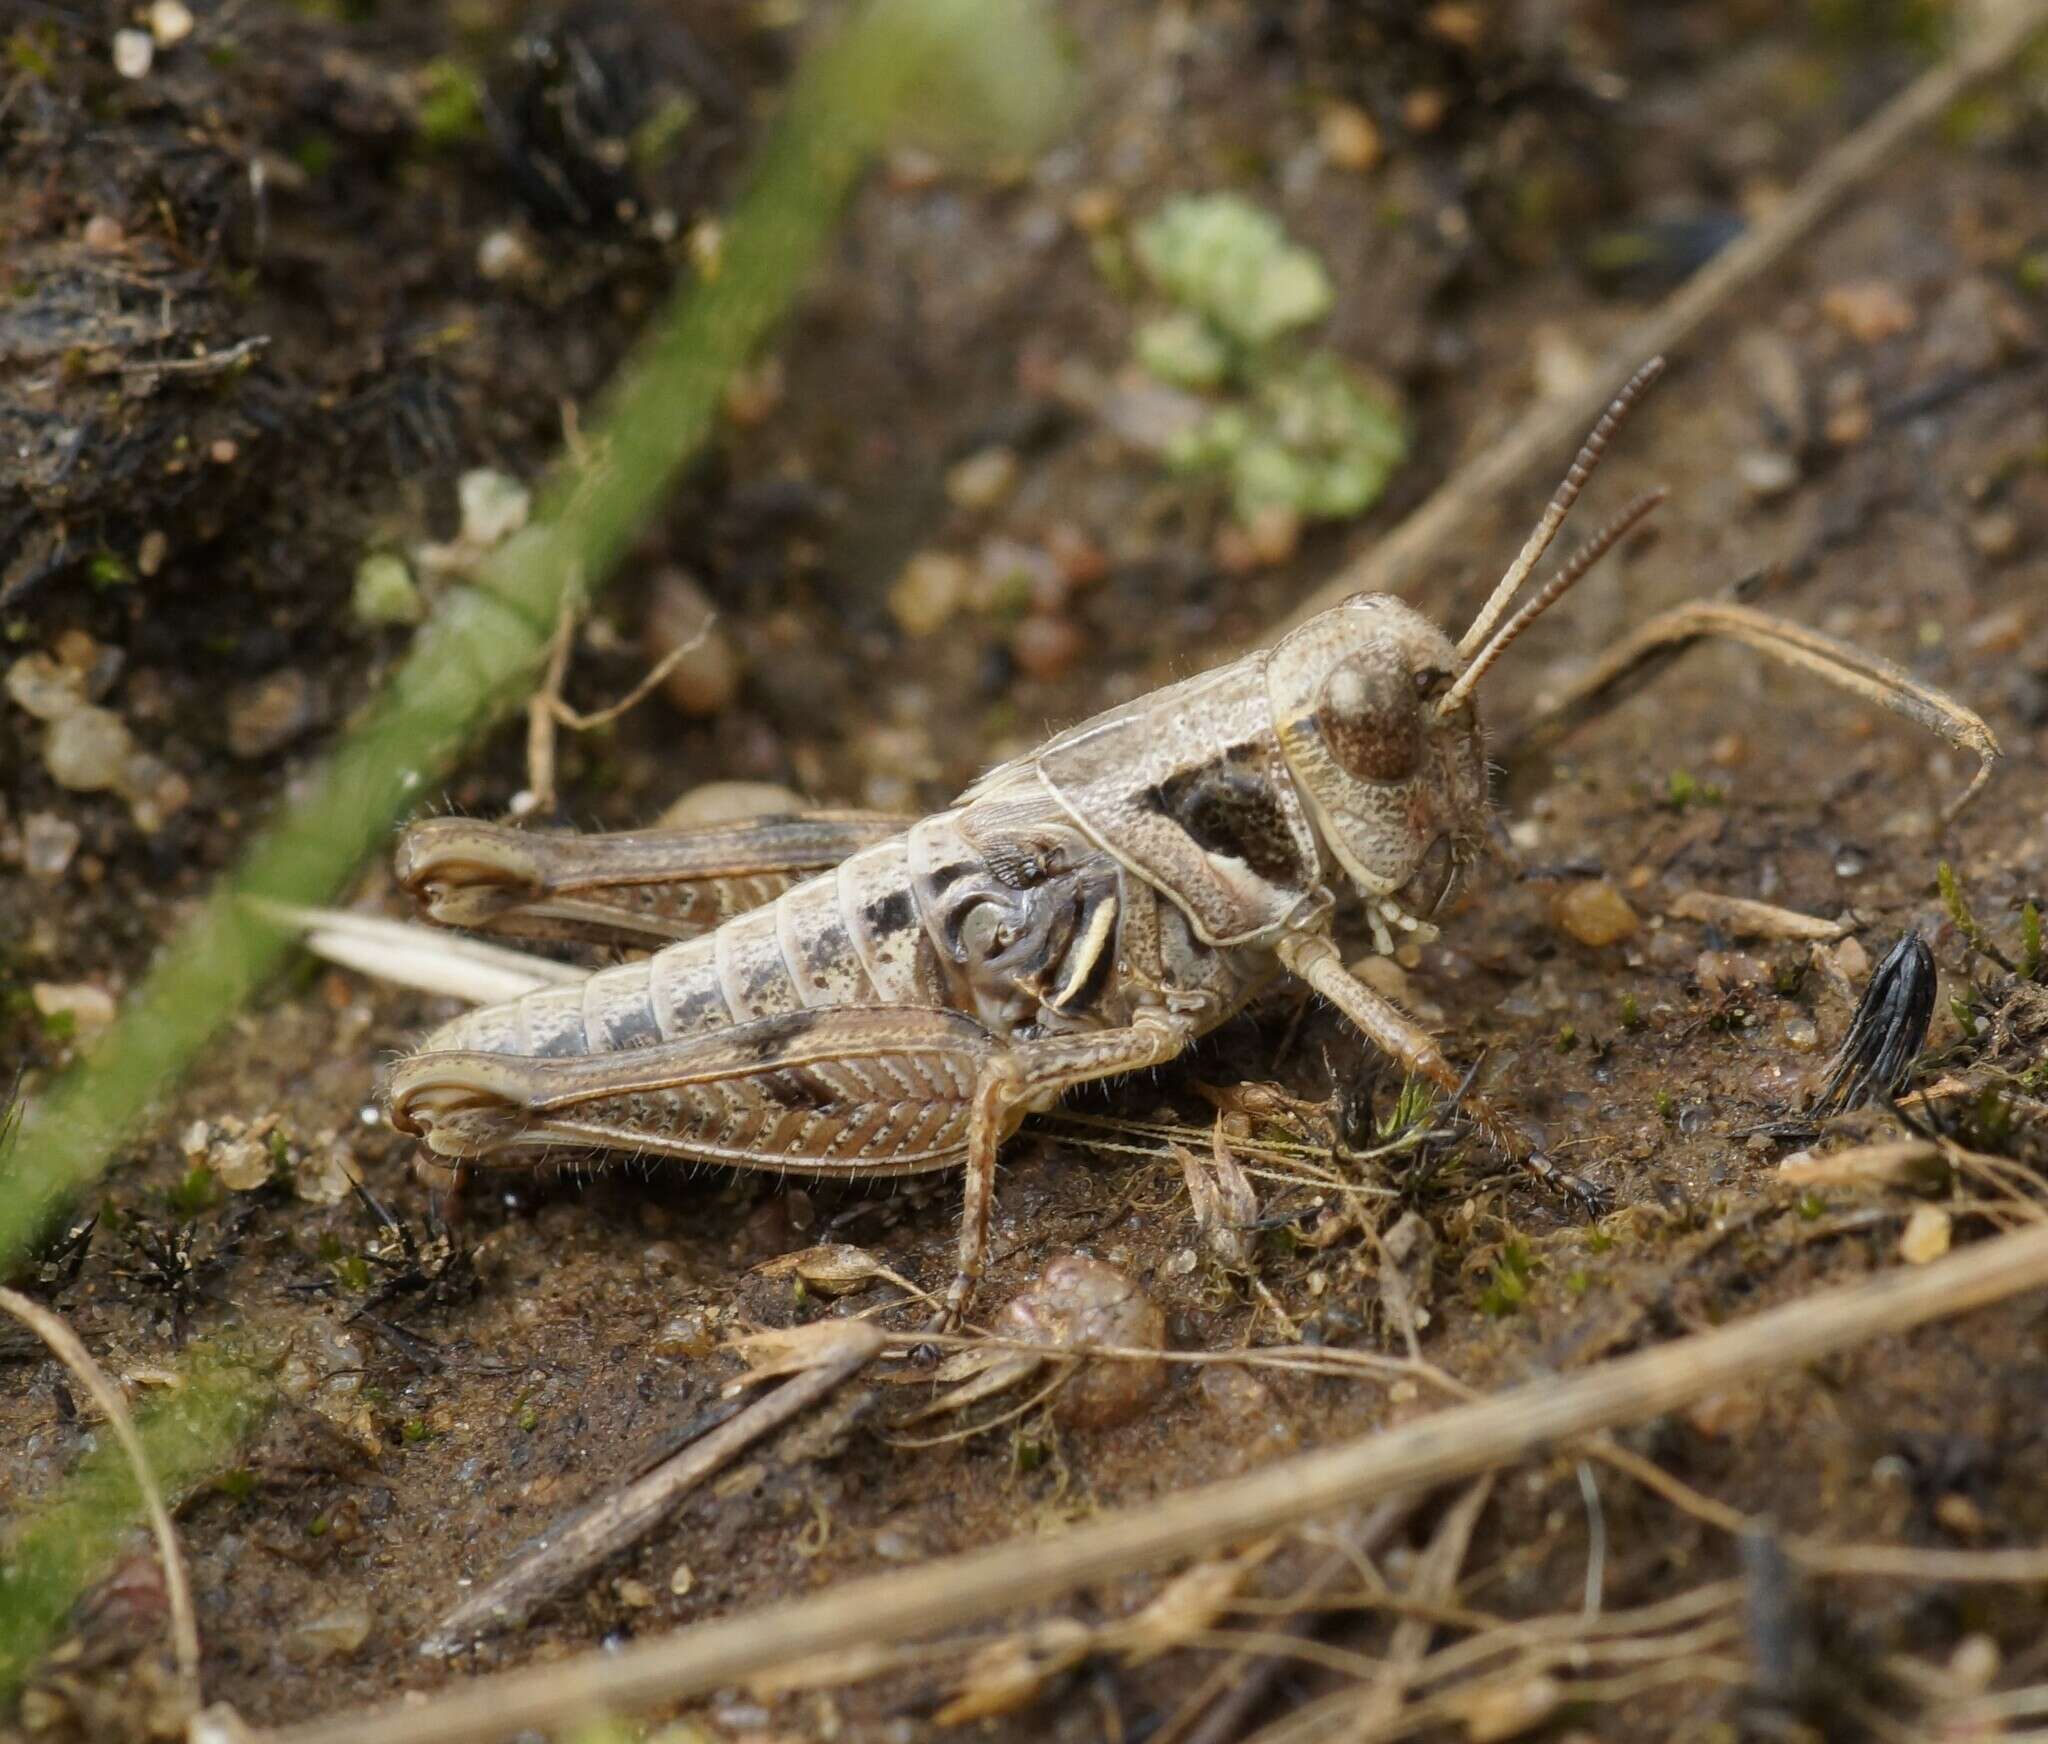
(837, 1269)
(1743, 918)
(1225, 1203)
(793, 1350)
(1895, 1163)
(1011, 1670)
(1189, 1604)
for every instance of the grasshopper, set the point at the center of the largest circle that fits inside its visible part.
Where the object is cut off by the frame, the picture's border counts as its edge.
(849, 995)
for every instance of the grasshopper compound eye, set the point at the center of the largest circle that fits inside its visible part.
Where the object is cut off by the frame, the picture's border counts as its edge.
(1370, 715)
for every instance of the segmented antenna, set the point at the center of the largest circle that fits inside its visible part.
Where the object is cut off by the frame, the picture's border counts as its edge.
(1550, 593)
(1538, 541)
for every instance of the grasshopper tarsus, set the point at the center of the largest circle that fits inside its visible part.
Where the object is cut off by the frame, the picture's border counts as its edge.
(851, 995)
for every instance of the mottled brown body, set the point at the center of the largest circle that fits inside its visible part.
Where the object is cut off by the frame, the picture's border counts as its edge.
(871, 998)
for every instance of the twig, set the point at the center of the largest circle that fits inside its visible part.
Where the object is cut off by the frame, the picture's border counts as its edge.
(547, 710)
(1461, 1441)
(1553, 425)
(573, 1547)
(65, 1346)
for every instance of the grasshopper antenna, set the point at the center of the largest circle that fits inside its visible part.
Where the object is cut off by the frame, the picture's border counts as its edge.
(1538, 542)
(1550, 593)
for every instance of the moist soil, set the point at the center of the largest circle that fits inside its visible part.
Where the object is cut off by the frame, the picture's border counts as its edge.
(261, 308)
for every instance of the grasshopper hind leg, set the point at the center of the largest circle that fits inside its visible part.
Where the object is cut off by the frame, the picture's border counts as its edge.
(634, 887)
(846, 1091)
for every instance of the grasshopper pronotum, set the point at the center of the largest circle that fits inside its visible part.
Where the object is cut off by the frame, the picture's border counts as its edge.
(843, 994)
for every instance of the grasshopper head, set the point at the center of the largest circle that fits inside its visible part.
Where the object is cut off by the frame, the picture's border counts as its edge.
(1394, 779)
(1374, 705)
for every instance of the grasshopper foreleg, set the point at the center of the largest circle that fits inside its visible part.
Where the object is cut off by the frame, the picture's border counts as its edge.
(1316, 960)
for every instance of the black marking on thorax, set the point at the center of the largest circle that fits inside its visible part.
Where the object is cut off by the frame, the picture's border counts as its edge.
(1228, 806)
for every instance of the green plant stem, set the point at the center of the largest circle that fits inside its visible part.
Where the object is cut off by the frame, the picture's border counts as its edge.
(47, 1559)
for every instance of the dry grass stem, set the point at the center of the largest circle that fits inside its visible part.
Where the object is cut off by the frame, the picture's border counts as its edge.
(1460, 1441)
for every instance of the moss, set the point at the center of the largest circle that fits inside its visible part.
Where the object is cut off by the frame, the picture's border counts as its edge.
(451, 109)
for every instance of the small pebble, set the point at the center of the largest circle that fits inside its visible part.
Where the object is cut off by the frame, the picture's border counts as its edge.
(1852, 959)
(682, 1580)
(1766, 472)
(87, 749)
(930, 590)
(1094, 210)
(242, 1164)
(706, 679)
(45, 687)
(1802, 1033)
(635, 1595)
(505, 254)
(983, 480)
(269, 714)
(170, 22)
(494, 506)
(1424, 108)
(1081, 561)
(322, 1176)
(1348, 136)
(1869, 310)
(151, 552)
(89, 1008)
(1593, 912)
(134, 53)
(1995, 534)
(1454, 21)
(48, 843)
(332, 1634)
(1926, 1235)
(384, 591)
(1045, 647)
(724, 802)
(155, 792)
(103, 233)
(1849, 424)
